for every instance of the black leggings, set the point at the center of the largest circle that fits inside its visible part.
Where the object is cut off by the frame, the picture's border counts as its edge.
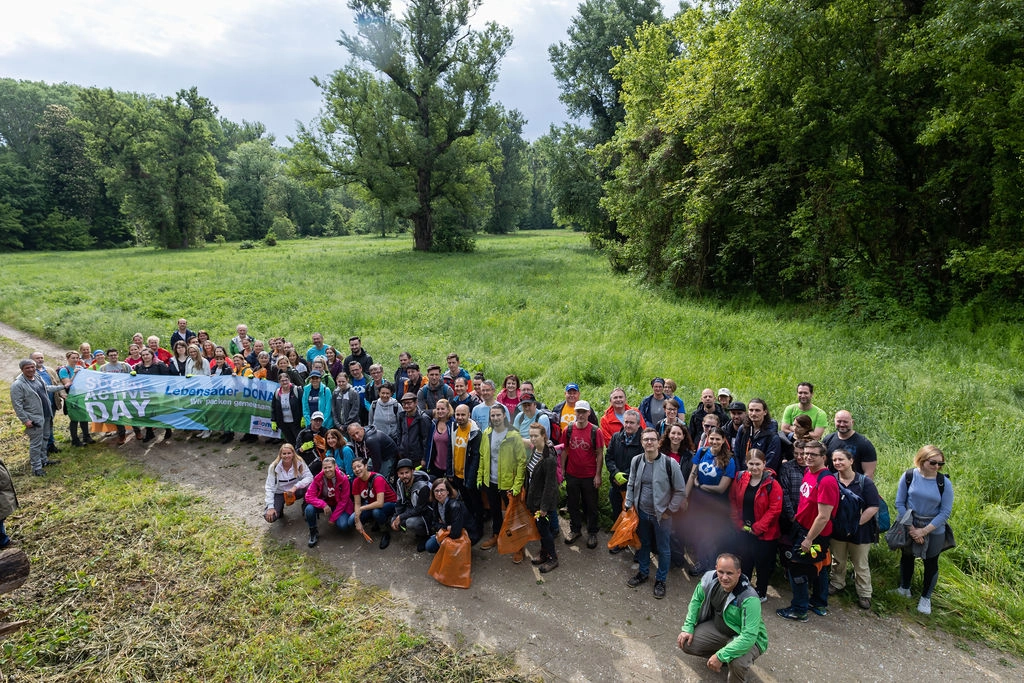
(931, 573)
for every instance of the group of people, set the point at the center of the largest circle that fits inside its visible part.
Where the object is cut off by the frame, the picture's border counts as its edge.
(726, 485)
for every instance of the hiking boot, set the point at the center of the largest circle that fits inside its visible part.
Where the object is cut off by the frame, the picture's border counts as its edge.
(489, 543)
(659, 589)
(924, 606)
(572, 537)
(314, 537)
(694, 570)
(38, 473)
(51, 461)
(517, 557)
(77, 443)
(791, 614)
(832, 590)
(616, 550)
(637, 580)
(864, 603)
(592, 541)
(121, 440)
(537, 561)
(385, 541)
(88, 440)
(421, 546)
(228, 437)
(549, 565)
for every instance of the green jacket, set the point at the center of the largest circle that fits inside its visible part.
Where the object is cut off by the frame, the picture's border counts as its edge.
(511, 462)
(742, 614)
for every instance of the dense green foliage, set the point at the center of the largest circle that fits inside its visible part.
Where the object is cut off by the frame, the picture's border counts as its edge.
(523, 304)
(864, 152)
(407, 118)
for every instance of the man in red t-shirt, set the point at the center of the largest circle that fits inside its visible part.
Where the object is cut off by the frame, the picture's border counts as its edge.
(374, 499)
(809, 566)
(581, 462)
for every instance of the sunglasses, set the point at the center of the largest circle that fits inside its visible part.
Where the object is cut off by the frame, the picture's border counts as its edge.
(937, 463)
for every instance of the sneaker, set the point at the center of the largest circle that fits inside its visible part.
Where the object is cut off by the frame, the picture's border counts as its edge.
(616, 550)
(820, 610)
(489, 543)
(572, 537)
(637, 580)
(38, 473)
(864, 603)
(905, 592)
(659, 590)
(791, 614)
(88, 440)
(77, 443)
(924, 606)
(538, 561)
(517, 557)
(421, 546)
(592, 541)
(549, 565)
(385, 541)
(314, 537)
(695, 570)
(763, 598)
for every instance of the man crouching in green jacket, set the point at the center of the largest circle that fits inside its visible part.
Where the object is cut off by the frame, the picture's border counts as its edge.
(724, 621)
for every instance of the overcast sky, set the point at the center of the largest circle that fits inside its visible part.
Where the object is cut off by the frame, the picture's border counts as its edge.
(252, 58)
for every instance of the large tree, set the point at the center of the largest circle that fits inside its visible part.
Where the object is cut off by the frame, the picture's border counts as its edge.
(402, 118)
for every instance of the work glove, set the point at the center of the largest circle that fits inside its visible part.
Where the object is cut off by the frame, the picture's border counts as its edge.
(273, 426)
(621, 479)
(302, 422)
(132, 373)
(308, 446)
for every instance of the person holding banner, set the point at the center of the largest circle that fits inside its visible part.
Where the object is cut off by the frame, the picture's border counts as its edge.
(288, 477)
(149, 365)
(286, 409)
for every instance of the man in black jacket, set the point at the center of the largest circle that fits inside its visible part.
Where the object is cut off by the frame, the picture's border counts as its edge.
(413, 506)
(376, 447)
(623, 447)
(413, 431)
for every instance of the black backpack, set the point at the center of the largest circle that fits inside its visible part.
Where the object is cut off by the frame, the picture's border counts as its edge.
(846, 517)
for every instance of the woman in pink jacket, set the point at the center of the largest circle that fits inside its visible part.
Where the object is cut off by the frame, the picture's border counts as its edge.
(330, 489)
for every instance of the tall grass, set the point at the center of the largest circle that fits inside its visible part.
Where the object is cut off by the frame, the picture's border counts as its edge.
(546, 307)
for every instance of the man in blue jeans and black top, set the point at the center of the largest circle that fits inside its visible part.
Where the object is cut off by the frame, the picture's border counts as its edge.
(812, 529)
(656, 488)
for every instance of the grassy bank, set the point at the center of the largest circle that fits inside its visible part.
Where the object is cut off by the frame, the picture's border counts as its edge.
(134, 579)
(546, 307)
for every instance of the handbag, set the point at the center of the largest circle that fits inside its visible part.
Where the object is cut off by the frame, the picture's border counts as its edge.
(518, 528)
(453, 562)
(897, 537)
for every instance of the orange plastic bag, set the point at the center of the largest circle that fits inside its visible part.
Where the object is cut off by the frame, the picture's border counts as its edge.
(519, 527)
(453, 562)
(624, 530)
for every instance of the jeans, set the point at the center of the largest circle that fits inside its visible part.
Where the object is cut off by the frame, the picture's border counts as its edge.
(379, 515)
(659, 529)
(5, 540)
(803, 578)
(344, 522)
(547, 528)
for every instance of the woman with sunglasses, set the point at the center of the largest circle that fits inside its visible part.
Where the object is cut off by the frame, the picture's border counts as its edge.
(929, 496)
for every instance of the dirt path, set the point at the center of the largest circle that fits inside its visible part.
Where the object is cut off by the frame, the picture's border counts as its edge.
(581, 622)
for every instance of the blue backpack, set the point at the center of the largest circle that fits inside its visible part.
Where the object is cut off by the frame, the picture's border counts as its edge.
(846, 519)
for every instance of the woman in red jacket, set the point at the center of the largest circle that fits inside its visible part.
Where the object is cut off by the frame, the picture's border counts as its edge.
(756, 505)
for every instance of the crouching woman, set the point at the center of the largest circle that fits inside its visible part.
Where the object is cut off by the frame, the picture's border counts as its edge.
(287, 479)
(330, 489)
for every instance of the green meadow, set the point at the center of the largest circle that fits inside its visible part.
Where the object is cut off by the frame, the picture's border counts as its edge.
(547, 307)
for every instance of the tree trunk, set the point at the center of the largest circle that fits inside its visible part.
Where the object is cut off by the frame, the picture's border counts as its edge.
(423, 219)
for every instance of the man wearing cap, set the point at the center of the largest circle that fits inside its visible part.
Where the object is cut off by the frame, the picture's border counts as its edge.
(30, 398)
(527, 415)
(652, 407)
(317, 398)
(623, 447)
(346, 402)
(566, 410)
(724, 398)
(803, 406)
(305, 443)
(413, 503)
(707, 406)
(583, 447)
(414, 428)
(737, 414)
(481, 414)
(435, 390)
(413, 381)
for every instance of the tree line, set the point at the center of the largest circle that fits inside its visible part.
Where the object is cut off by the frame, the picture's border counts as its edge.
(862, 153)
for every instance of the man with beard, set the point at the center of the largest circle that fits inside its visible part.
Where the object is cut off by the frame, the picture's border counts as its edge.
(865, 458)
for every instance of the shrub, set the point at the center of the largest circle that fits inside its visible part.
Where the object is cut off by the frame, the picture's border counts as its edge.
(219, 239)
(271, 239)
(247, 244)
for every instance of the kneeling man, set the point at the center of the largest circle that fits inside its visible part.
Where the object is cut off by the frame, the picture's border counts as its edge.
(724, 621)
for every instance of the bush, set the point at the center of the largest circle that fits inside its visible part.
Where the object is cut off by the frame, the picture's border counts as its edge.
(283, 228)
(271, 239)
(219, 239)
(247, 244)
